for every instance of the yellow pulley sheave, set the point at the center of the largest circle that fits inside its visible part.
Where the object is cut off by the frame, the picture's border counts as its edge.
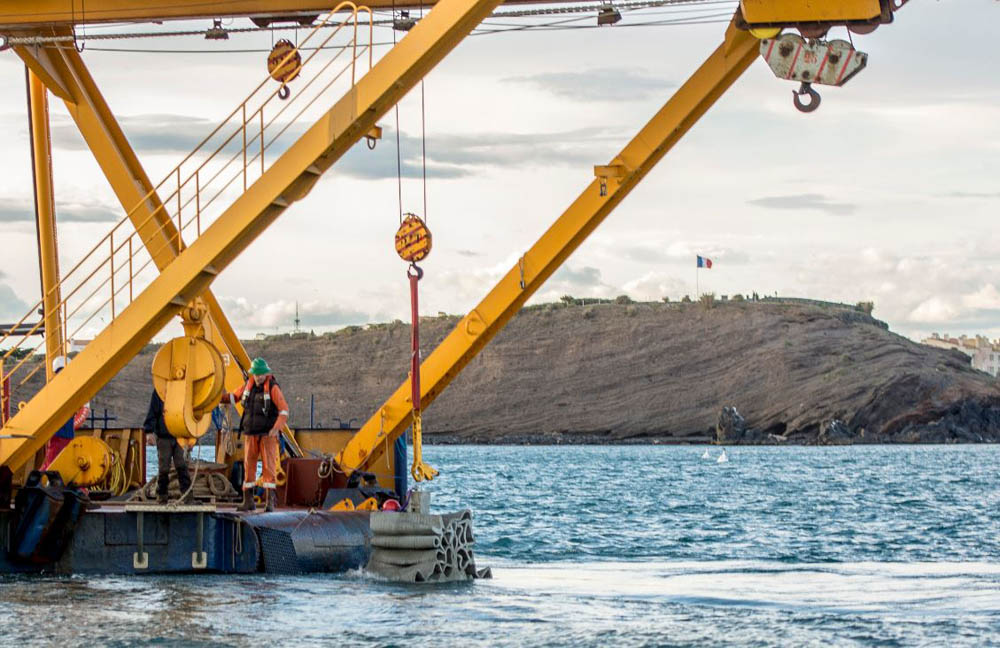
(188, 375)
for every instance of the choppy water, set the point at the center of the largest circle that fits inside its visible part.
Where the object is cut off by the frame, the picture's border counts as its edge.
(617, 546)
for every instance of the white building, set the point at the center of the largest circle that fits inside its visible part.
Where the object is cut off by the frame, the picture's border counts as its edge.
(983, 354)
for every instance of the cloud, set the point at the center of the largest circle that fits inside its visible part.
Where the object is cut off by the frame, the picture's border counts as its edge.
(149, 133)
(935, 310)
(70, 212)
(448, 156)
(602, 84)
(11, 307)
(585, 281)
(456, 156)
(987, 297)
(815, 201)
(652, 251)
(917, 293)
(653, 286)
(585, 277)
(468, 253)
(974, 194)
(281, 314)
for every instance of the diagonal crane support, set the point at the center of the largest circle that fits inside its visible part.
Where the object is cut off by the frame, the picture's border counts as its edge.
(64, 73)
(738, 51)
(290, 178)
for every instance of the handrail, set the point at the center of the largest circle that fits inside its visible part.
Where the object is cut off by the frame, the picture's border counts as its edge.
(160, 209)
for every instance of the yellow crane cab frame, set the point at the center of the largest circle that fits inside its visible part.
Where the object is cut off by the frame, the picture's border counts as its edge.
(187, 268)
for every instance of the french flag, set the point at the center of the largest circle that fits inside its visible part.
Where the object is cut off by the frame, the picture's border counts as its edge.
(704, 262)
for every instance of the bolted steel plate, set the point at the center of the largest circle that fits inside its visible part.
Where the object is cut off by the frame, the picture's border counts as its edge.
(831, 63)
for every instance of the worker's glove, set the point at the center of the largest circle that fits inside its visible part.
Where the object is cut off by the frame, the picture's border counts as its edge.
(273, 433)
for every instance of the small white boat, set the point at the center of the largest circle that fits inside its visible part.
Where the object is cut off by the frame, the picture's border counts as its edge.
(706, 455)
(723, 458)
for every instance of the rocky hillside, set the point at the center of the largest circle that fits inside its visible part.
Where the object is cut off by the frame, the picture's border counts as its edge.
(796, 373)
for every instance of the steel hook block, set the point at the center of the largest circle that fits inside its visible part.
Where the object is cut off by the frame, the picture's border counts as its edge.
(814, 98)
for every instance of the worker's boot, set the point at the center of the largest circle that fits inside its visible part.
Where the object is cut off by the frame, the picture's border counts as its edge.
(270, 494)
(161, 499)
(247, 504)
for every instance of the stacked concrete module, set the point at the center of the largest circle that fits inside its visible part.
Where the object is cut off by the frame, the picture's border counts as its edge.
(420, 548)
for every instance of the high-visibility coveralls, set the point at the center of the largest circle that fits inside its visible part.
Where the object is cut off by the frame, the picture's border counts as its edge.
(265, 412)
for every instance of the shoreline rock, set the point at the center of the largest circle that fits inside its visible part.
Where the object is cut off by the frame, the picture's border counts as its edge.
(640, 373)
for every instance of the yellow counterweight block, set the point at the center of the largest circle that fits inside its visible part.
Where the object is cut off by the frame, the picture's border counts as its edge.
(189, 375)
(86, 461)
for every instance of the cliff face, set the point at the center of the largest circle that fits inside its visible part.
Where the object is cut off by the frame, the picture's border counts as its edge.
(619, 373)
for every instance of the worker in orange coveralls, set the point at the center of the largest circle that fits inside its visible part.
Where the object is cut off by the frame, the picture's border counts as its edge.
(64, 435)
(265, 412)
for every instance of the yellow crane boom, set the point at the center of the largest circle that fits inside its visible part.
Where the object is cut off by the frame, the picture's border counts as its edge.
(64, 73)
(186, 271)
(289, 179)
(610, 186)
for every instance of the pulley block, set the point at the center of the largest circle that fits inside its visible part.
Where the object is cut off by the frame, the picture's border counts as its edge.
(413, 244)
(189, 376)
(284, 64)
(413, 239)
(794, 58)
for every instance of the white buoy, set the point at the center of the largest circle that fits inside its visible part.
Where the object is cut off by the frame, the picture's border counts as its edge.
(706, 455)
(722, 457)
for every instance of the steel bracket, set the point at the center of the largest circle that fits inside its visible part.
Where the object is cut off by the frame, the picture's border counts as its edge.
(616, 170)
(140, 559)
(199, 559)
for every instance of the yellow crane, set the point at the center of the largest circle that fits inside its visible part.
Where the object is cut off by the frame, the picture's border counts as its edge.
(189, 245)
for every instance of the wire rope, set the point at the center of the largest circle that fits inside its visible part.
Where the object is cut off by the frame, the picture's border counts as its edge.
(399, 155)
(423, 134)
(625, 5)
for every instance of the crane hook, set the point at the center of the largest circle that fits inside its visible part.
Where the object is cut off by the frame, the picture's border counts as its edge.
(814, 98)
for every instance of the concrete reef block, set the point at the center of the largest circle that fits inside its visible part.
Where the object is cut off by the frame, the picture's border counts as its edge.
(419, 573)
(406, 524)
(407, 557)
(407, 542)
(416, 548)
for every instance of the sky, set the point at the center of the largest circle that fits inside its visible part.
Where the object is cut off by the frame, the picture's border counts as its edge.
(888, 193)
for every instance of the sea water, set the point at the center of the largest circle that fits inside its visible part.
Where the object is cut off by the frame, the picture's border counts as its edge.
(616, 546)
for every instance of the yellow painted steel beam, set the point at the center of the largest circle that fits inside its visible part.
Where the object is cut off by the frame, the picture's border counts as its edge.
(289, 179)
(793, 11)
(32, 14)
(45, 218)
(370, 444)
(64, 72)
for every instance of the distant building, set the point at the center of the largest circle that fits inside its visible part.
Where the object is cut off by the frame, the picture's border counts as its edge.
(983, 354)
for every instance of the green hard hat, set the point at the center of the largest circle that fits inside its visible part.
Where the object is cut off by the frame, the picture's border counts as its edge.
(259, 367)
